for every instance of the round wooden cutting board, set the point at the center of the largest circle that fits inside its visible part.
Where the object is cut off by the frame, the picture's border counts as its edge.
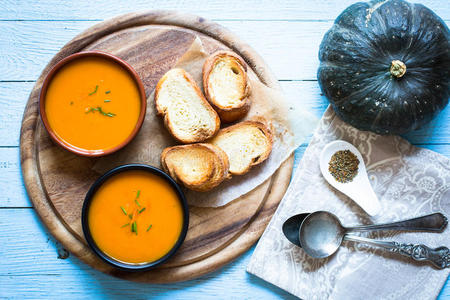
(57, 180)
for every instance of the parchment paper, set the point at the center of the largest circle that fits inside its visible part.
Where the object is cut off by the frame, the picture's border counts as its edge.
(266, 102)
(409, 182)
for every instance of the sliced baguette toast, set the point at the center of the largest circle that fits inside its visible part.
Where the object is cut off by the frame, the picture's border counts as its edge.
(199, 167)
(226, 85)
(247, 143)
(187, 114)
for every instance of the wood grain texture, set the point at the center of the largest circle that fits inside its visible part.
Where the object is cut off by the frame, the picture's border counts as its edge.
(14, 195)
(57, 180)
(28, 248)
(14, 95)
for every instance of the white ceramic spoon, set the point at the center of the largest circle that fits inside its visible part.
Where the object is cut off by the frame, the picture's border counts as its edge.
(359, 189)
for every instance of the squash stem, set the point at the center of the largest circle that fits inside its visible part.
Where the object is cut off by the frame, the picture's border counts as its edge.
(398, 68)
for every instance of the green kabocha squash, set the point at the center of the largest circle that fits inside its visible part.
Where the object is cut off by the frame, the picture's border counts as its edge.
(385, 66)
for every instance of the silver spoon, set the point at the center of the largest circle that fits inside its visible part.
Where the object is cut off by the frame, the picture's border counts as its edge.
(434, 222)
(321, 234)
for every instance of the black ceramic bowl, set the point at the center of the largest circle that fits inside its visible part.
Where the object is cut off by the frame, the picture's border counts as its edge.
(87, 204)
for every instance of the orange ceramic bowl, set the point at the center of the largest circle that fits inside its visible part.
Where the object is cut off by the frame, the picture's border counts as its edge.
(92, 103)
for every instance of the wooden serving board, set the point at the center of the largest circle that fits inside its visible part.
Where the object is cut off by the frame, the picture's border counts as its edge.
(57, 180)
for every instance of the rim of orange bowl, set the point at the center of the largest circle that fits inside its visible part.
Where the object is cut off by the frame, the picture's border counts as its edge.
(72, 148)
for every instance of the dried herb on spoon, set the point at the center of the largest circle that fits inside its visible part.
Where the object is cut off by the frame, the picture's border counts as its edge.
(343, 166)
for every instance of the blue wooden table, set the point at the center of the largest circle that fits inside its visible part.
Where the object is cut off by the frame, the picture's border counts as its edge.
(287, 35)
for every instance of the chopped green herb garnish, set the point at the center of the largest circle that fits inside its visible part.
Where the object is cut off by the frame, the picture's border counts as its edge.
(125, 225)
(137, 196)
(149, 227)
(134, 227)
(107, 92)
(142, 210)
(124, 211)
(130, 216)
(99, 109)
(93, 92)
(106, 101)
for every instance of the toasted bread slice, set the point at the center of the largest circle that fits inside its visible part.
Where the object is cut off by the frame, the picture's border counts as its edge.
(187, 114)
(226, 85)
(247, 143)
(199, 167)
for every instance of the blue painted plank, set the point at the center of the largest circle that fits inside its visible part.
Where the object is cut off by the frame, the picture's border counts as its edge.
(30, 268)
(12, 190)
(27, 46)
(13, 98)
(229, 10)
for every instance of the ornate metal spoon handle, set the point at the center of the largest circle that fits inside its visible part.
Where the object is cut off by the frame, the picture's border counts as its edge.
(433, 222)
(439, 257)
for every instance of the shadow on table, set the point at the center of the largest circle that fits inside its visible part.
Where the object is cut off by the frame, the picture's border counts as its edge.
(435, 132)
(231, 279)
(252, 279)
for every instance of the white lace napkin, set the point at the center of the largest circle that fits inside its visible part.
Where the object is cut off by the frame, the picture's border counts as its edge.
(409, 182)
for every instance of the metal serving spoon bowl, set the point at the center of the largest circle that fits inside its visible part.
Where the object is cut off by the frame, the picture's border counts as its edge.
(291, 228)
(321, 234)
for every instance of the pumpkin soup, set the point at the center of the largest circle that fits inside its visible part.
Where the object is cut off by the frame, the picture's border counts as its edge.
(135, 217)
(92, 103)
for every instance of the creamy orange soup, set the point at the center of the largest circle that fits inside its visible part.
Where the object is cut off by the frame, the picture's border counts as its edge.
(135, 217)
(92, 103)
